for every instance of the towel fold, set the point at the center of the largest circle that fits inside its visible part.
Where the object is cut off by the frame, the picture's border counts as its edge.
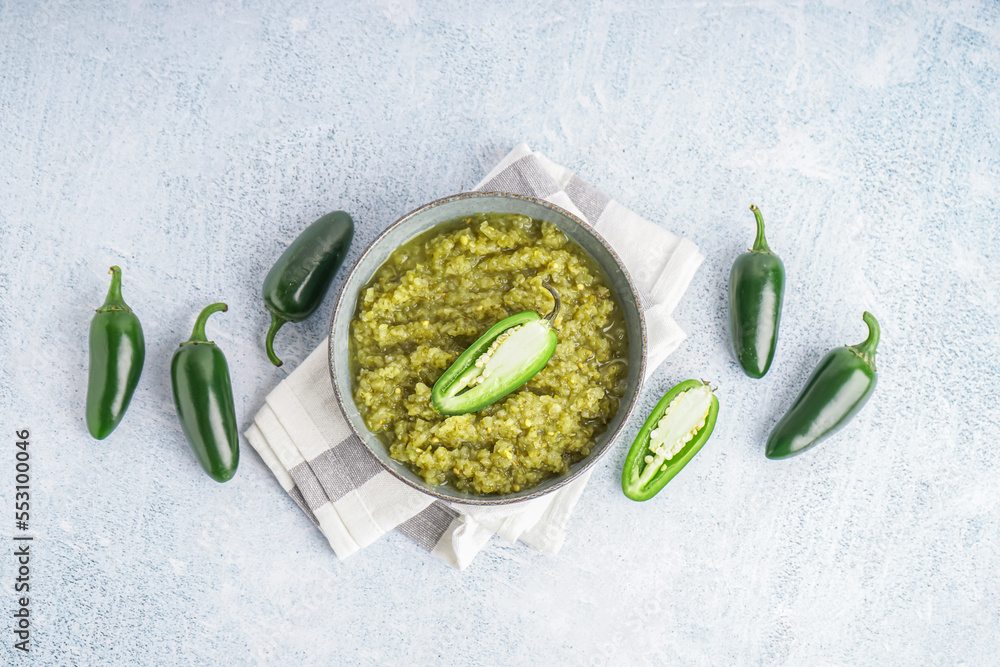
(304, 439)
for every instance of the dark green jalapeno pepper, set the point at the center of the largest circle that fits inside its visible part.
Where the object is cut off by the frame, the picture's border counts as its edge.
(203, 396)
(509, 354)
(117, 351)
(756, 288)
(296, 284)
(676, 429)
(840, 386)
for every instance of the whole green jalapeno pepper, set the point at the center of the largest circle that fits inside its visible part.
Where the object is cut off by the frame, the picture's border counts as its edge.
(840, 386)
(296, 284)
(203, 396)
(117, 352)
(756, 288)
(509, 354)
(676, 430)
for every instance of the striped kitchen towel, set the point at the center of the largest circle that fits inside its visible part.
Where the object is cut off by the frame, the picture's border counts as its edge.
(304, 439)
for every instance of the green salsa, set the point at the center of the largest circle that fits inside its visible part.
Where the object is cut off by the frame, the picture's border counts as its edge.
(432, 298)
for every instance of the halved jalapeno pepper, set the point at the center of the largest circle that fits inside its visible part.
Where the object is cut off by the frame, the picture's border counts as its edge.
(509, 354)
(675, 431)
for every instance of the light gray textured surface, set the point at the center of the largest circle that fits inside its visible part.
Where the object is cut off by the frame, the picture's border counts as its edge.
(189, 143)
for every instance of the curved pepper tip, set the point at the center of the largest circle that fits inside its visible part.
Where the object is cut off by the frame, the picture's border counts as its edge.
(873, 328)
(867, 348)
(551, 317)
(276, 323)
(198, 332)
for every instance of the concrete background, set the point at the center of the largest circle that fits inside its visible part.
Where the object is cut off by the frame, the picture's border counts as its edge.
(190, 142)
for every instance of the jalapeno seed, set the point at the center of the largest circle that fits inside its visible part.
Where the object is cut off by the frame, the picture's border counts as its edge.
(685, 416)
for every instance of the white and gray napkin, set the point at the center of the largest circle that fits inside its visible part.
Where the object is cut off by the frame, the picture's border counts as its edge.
(304, 439)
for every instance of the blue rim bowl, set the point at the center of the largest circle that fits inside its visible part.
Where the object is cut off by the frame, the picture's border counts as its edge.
(420, 220)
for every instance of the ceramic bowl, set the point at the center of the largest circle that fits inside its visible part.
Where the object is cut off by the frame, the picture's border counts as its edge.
(449, 208)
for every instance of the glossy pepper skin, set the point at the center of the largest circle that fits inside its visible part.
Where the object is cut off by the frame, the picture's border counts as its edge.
(756, 290)
(296, 284)
(633, 485)
(454, 394)
(203, 396)
(840, 386)
(117, 352)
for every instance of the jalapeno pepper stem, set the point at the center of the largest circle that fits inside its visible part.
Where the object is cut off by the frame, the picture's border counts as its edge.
(276, 323)
(114, 300)
(551, 317)
(866, 349)
(759, 243)
(198, 333)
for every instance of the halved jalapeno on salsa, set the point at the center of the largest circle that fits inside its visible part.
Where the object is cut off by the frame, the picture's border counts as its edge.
(509, 354)
(674, 432)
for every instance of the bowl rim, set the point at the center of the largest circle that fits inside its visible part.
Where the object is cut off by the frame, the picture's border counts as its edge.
(565, 479)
